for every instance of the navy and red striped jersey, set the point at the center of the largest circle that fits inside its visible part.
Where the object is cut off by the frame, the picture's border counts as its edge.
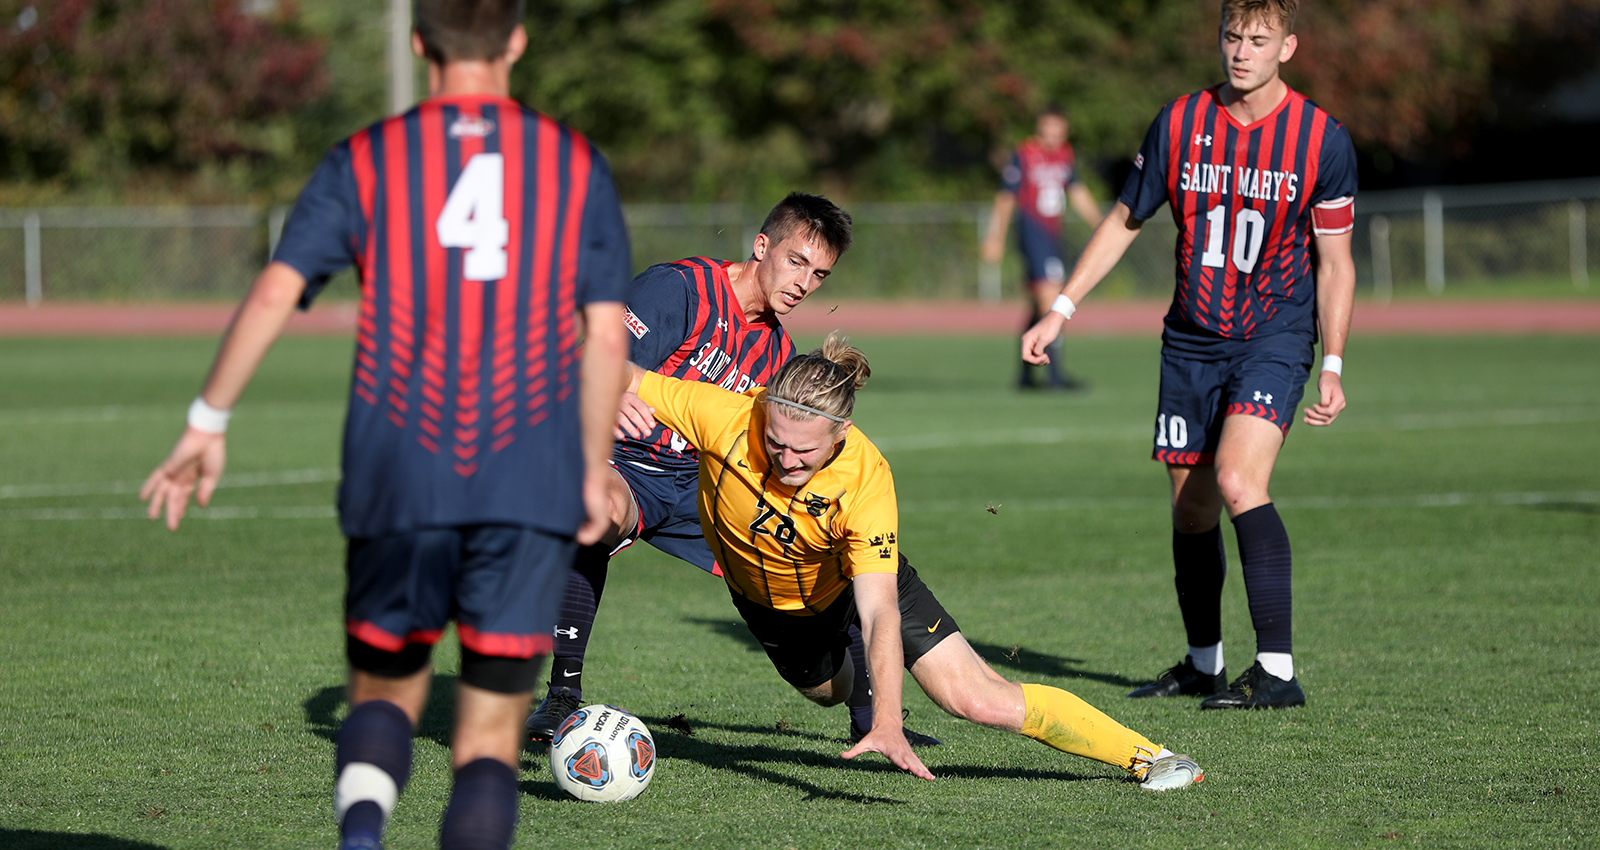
(479, 229)
(687, 323)
(1039, 177)
(1243, 199)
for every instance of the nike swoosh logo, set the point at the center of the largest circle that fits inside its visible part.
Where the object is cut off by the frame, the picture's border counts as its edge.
(935, 625)
(580, 672)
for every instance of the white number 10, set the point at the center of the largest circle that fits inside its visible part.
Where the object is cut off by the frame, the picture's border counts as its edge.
(1249, 232)
(474, 218)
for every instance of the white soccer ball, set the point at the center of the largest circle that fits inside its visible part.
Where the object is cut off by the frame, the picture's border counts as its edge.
(602, 754)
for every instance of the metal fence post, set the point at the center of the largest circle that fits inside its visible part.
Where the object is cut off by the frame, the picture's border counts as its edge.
(32, 266)
(1382, 272)
(1433, 241)
(1578, 239)
(988, 273)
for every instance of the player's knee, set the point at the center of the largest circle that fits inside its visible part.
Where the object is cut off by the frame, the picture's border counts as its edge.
(1237, 487)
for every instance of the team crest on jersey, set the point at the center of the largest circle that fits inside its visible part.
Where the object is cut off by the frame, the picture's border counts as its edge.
(635, 327)
(473, 126)
(884, 540)
(1138, 160)
(817, 505)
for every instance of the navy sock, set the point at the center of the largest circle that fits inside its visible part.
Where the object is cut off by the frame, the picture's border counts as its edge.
(376, 733)
(860, 701)
(1264, 556)
(1200, 566)
(482, 814)
(576, 620)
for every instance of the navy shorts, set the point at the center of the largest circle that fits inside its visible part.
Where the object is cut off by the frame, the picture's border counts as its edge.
(810, 650)
(501, 584)
(669, 514)
(1041, 253)
(1263, 377)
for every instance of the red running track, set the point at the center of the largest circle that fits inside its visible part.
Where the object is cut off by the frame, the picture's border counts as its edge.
(856, 317)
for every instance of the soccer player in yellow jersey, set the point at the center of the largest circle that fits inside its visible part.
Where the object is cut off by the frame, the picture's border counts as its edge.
(799, 508)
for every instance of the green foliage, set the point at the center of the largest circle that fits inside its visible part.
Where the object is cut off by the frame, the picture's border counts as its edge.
(97, 92)
(181, 691)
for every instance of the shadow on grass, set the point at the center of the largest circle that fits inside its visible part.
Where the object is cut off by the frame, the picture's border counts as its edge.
(28, 839)
(763, 761)
(1022, 660)
(324, 711)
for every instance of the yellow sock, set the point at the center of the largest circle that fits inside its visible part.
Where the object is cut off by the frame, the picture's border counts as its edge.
(1061, 720)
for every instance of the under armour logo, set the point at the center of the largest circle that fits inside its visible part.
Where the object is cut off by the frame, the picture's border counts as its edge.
(1264, 398)
(568, 633)
(722, 324)
(1202, 139)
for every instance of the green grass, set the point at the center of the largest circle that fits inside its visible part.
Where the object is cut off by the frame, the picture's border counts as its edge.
(181, 691)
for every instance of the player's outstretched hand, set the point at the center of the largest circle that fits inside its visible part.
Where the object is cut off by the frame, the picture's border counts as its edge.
(892, 744)
(1331, 390)
(635, 418)
(1040, 335)
(198, 458)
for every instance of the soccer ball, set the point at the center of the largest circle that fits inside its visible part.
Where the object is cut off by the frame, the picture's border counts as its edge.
(602, 754)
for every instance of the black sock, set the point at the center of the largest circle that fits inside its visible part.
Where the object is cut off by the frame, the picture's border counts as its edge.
(576, 620)
(1264, 556)
(376, 733)
(482, 814)
(1200, 565)
(860, 701)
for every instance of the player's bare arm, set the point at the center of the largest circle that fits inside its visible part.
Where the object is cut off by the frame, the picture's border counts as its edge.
(1084, 205)
(605, 356)
(199, 456)
(994, 241)
(1336, 287)
(1110, 241)
(877, 602)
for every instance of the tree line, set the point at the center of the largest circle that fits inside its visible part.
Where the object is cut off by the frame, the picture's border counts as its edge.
(733, 99)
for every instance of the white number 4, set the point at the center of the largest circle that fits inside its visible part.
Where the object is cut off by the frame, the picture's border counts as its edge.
(474, 218)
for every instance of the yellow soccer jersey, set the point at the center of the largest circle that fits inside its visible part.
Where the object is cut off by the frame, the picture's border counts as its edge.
(789, 548)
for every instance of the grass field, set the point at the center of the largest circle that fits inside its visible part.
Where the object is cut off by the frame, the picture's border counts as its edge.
(181, 691)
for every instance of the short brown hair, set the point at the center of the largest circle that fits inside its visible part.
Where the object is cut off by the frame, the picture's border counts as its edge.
(465, 30)
(1249, 11)
(816, 215)
(826, 379)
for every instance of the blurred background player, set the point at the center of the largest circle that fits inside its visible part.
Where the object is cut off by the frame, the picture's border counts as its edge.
(467, 385)
(1036, 186)
(801, 512)
(1262, 183)
(698, 319)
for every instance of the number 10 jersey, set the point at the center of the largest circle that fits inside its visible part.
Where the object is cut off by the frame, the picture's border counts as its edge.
(1246, 199)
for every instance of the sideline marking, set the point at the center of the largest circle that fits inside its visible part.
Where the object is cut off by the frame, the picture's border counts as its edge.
(151, 412)
(1302, 503)
(116, 488)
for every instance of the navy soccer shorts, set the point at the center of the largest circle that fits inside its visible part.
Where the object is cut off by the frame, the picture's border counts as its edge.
(810, 650)
(1264, 377)
(501, 584)
(1041, 253)
(669, 516)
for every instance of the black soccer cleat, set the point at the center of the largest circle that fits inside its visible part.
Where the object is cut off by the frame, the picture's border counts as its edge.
(542, 723)
(1258, 689)
(913, 737)
(1183, 680)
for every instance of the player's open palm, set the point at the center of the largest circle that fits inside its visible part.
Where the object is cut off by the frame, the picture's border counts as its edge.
(892, 744)
(635, 419)
(1331, 391)
(196, 462)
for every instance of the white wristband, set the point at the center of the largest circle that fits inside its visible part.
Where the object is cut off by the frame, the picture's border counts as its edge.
(1064, 306)
(1333, 363)
(204, 417)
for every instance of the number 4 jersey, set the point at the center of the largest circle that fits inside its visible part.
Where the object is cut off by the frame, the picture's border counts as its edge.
(1247, 201)
(479, 229)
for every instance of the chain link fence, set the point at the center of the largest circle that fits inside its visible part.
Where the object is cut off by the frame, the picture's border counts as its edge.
(1507, 240)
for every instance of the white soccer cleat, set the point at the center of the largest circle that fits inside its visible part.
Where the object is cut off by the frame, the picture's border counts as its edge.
(1172, 773)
